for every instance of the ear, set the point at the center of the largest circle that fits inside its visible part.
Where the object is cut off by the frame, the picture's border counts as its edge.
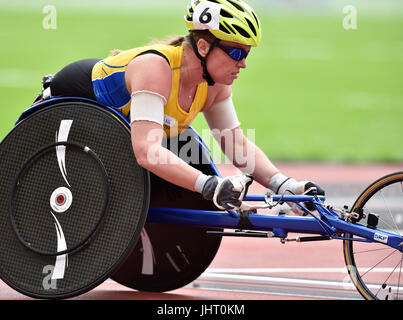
(203, 47)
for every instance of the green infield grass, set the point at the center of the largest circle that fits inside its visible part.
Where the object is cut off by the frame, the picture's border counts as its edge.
(312, 91)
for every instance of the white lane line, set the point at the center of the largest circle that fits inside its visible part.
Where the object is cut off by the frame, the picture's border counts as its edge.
(306, 287)
(263, 280)
(292, 270)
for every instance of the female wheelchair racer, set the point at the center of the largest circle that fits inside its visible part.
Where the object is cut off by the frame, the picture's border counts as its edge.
(162, 87)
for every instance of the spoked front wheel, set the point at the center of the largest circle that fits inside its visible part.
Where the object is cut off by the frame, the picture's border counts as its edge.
(375, 268)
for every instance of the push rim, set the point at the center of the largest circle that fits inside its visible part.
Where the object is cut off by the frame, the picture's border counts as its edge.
(14, 189)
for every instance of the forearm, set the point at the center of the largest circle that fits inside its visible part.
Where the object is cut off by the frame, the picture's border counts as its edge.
(170, 167)
(151, 155)
(262, 169)
(247, 157)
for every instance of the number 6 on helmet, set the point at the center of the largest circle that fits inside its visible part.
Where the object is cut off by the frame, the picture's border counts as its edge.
(207, 16)
(227, 20)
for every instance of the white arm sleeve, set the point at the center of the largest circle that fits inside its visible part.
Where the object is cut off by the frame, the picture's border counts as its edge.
(222, 115)
(148, 106)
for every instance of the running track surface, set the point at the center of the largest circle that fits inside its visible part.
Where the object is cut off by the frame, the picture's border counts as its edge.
(262, 257)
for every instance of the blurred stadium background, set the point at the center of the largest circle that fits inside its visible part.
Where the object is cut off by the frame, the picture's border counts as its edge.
(313, 91)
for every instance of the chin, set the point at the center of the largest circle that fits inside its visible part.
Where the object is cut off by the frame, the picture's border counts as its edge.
(226, 82)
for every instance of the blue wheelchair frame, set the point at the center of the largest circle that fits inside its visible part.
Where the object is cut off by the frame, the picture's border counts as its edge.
(327, 224)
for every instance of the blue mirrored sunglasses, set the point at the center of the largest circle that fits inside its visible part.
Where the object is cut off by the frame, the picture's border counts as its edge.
(236, 54)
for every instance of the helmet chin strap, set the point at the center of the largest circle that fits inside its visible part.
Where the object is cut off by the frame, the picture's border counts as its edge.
(206, 74)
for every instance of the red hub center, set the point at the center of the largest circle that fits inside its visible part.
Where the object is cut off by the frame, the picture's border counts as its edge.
(60, 199)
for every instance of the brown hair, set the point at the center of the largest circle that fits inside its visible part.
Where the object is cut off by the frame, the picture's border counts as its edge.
(185, 40)
(115, 52)
(177, 41)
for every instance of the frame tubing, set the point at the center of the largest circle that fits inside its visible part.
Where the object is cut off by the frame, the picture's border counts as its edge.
(222, 219)
(391, 239)
(280, 225)
(284, 198)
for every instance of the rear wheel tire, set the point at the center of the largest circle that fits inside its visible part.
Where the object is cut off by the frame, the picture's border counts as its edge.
(376, 269)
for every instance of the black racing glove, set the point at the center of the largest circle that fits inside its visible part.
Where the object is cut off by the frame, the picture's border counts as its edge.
(281, 185)
(227, 193)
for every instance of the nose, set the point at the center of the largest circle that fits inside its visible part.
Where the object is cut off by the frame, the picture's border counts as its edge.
(242, 63)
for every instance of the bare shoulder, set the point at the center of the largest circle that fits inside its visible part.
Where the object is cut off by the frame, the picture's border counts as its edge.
(217, 93)
(149, 72)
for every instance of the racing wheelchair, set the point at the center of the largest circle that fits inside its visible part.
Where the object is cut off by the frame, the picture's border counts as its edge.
(77, 209)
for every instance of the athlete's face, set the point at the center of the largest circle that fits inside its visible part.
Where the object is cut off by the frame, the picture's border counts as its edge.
(226, 61)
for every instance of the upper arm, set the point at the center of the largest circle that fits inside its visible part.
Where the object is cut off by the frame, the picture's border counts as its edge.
(221, 114)
(149, 72)
(216, 94)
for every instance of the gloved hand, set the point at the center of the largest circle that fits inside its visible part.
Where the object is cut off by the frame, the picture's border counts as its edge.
(227, 193)
(281, 185)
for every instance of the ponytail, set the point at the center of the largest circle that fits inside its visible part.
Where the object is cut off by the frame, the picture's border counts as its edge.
(115, 52)
(177, 41)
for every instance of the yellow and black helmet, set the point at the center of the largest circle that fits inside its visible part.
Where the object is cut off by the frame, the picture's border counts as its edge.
(229, 20)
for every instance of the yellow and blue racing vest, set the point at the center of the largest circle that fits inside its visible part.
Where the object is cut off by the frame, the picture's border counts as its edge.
(108, 80)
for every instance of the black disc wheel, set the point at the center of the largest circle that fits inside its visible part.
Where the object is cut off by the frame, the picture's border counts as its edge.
(167, 256)
(73, 200)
